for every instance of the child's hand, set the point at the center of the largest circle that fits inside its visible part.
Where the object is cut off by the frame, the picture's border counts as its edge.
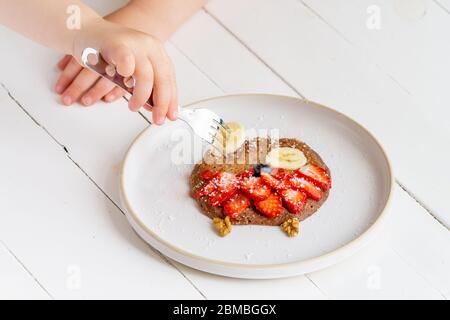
(81, 84)
(136, 54)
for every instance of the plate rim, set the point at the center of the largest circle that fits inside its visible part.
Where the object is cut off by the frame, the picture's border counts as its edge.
(339, 252)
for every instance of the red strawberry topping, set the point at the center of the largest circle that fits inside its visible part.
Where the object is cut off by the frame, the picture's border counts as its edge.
(300, 183)
(315, 174)
(226, 186)
(208, 188)
(254, 188)
(208, 174)
(279, 173)
(270, 181)
(268, 192)
(219, 189)
(293, 200)
(271, 206)
(245, 174)
(236, 204)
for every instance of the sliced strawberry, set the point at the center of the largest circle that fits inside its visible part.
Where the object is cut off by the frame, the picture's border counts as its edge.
(315, 174)
(271, 206)
(219, 189)
(226, 185)
(217, 198)
(279, 173)
(274, 183)
(277, 184)
(300, 183)
(245, 174)
(254, 188)
(293, 200)
(236, 204)
(208, 174)
(270, 181)
(207, 189)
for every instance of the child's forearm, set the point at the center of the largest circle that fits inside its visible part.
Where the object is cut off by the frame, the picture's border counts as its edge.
(159, 18)
(51, 23)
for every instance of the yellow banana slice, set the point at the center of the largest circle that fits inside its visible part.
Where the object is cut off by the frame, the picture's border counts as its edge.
(286, 158)
(228, 141)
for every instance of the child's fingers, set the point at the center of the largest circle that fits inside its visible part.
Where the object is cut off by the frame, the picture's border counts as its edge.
(63, 62)
(122, 58)
(172, 114)
(97, 91)
(71, 70)
(162, 87)
(115, 94)
(81, 84)
(143, 86)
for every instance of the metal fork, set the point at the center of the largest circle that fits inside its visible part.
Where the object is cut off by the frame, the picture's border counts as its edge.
(203, 122)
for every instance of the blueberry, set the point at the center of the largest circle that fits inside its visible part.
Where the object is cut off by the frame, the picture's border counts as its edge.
(261, 168)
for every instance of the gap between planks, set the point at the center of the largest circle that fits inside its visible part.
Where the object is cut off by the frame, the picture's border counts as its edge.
(164, 258)
(24, 267)
(443, 7)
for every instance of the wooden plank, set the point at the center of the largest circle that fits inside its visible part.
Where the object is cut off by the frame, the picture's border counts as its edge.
(417, 57)
(394, 267)
(222, 288)
(15, 281)
(421, 241)
(324, 66)
(226, 62)
(375, 273)
(65, 231)
(405, 262)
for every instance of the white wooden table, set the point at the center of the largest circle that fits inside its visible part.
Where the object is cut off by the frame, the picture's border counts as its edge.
(63, 234)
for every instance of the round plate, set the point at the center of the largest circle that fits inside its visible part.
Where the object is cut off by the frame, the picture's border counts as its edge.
(155, 191)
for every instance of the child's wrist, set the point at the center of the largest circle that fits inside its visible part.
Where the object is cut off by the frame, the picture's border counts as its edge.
(86, 36)
(136, 16)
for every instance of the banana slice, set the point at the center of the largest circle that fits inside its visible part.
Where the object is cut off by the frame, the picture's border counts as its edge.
(286, 158)
(228, 141)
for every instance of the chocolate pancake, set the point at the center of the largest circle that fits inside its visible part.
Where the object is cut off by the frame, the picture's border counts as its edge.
(247, 156)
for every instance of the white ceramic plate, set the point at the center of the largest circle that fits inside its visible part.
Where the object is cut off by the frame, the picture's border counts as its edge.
(155, 192)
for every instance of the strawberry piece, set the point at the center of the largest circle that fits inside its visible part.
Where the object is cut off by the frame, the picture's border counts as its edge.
(208, 174)
(300, 183)
(293, 200)
(217, 198)
(208, 188)
(271, 206)
(254, 188)
(277, 184)
(245, 174)
(315, 174)
(270, 181)
(226, 186)
(236, 204)
(279, 173)
(219, 189)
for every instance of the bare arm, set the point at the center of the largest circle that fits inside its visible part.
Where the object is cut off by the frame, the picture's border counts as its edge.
(160, 18)
(45, 21)
(132, 52)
